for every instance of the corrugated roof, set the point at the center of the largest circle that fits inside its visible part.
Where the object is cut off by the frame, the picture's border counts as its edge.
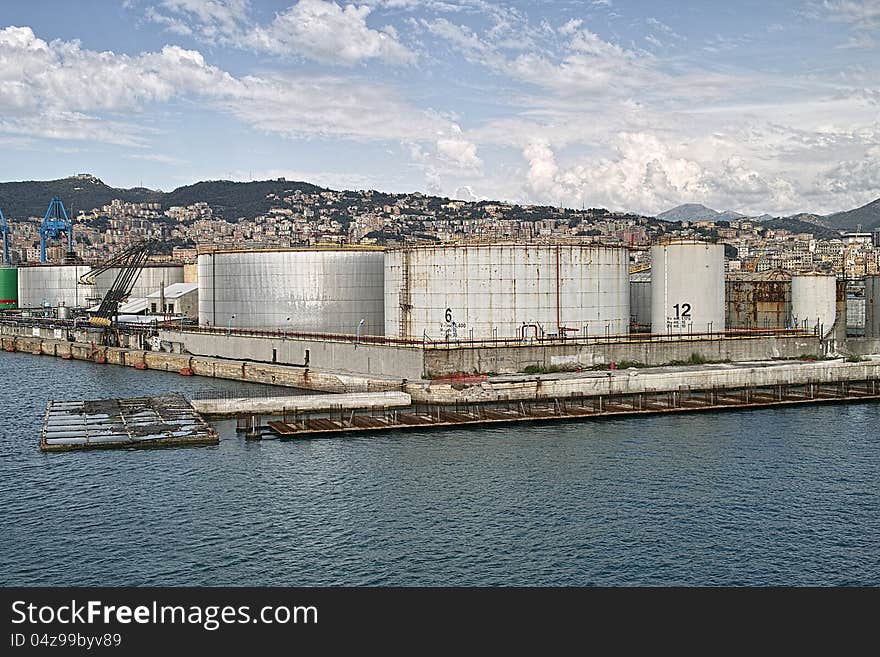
(175, 291)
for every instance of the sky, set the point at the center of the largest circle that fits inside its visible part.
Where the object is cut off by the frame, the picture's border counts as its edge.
(754, 106)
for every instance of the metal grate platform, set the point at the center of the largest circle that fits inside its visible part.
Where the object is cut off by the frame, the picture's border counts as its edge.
(165, 421)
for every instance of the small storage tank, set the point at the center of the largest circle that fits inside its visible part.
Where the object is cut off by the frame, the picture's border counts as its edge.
(508, 291)
(687, 287)
(872, 307)
(298, 290)
(758, 300)
(8, 288)
(640, 301)
(148, 281)
(814, 302)
(855, 315)
(42, 286)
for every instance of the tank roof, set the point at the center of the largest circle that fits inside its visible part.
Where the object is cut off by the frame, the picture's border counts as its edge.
(298, 249)
(771, 275)
(524, 245)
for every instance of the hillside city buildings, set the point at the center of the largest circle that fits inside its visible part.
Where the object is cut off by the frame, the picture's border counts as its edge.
(370, 218)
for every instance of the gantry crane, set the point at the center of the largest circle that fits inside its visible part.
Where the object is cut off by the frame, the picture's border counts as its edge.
(130, 263)
(55, 224)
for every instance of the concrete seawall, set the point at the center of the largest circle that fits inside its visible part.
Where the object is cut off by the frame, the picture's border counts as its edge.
(499, 388)
(516, 358)
(663, 379)
(443, 359)
(302, 403)
(219, 368)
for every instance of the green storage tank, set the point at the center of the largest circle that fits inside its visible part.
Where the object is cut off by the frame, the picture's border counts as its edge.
(8, 288)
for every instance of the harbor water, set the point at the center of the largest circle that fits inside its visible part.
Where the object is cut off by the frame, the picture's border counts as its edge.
(759, 497)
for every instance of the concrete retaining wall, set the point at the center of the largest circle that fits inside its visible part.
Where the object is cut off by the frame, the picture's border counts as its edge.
(279, 375)
(366, 359)
(637, 381)
(863, 346)
(512, 359)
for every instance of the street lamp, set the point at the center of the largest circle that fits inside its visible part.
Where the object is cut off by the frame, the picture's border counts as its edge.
(229, 325)
(358, 332)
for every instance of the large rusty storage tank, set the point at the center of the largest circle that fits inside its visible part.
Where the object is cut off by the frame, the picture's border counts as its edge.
(306, 290)
(872, 307)
(506, 291)
(758, 300)
(687, 287)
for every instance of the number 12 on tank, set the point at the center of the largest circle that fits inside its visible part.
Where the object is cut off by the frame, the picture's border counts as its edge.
(682, 315)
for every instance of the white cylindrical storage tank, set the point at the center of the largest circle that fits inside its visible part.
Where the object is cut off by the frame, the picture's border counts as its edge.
(687, 287)
(299, 290)
(506, 291)
(872, 307)
(148, 281)
(51, 285)
(814, 302)
(152, 277)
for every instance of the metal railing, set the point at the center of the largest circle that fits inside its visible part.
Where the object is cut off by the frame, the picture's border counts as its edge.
(252, 391)
(580, 338)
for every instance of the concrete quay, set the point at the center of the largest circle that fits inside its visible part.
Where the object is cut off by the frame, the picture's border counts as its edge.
(650, 380)
(495, 388)
(282, 405)
(235, 361)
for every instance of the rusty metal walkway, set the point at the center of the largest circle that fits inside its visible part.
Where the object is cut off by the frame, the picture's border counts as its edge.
(422, 416)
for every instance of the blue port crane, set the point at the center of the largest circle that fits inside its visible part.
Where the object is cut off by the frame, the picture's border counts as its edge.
(6, 234)
(55, 224)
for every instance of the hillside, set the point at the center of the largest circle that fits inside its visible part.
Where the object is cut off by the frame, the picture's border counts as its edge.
(867, 216)
(234, 200)
(30, 198)
(228, 199)
(794, 225)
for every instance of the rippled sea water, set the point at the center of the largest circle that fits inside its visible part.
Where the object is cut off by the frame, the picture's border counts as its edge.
(787, 496)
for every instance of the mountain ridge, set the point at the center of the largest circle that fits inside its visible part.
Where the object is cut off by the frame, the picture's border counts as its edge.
(244, 200)
(233, 200)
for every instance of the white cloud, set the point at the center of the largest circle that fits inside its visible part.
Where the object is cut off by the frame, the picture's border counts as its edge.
(61, 75)
(543, 169)
(854, 177)
(54, 124)
(863, 17)
(860, 41)
(329, 33)
(460, 152)
(586, 64)
(306, 106)
(863, 14)
(211, 20)
(452, 155)
(47, 80)
(321, 30)
(158, 157)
